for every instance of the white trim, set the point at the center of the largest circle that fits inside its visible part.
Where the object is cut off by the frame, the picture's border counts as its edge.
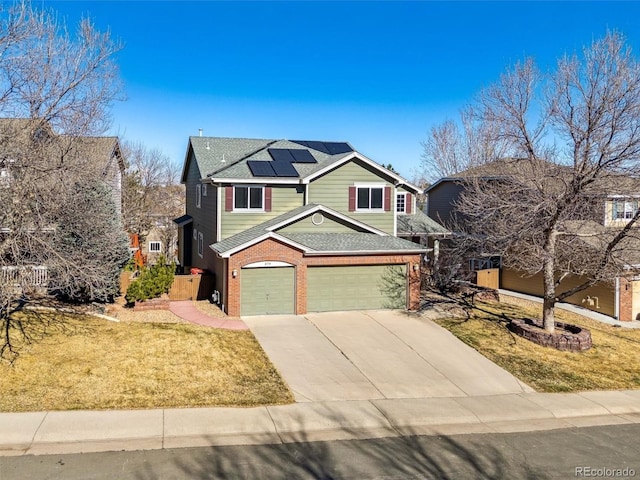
(219, 215)
(259, 181)
(370, 186)
(268, 264)
(320, 221)
(616, 310)
(261, 238)
(331, 212)
(195, 234)
(248, 209)
(204, 189)
(198, 195)
(369, 162)
(313, 253)
(395, 212)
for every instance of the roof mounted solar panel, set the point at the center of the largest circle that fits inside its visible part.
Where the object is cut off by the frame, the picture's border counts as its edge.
(261, 169)
(284, 169)
(336, 148)
(311, 144)
(280, 154)
(302, 156)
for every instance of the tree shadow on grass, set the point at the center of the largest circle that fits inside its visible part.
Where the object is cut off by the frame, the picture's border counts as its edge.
(30, 322)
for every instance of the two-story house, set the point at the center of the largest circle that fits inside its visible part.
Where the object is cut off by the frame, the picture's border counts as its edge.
(297, 226)
(614, 205)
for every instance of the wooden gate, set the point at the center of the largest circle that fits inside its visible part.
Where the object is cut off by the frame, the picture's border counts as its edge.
(489, 278)
(191, 287)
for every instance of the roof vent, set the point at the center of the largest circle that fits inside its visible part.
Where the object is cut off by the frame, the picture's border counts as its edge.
(223, 160)
(200, 132)
(208, 147)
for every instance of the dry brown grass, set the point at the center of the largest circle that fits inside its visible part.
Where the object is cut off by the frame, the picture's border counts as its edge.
(87, 363)
(612, 363)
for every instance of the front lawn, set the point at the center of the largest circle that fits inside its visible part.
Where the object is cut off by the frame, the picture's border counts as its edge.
(612, 363)
(88, 363)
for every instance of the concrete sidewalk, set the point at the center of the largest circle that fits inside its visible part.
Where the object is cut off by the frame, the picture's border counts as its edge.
(91, 431)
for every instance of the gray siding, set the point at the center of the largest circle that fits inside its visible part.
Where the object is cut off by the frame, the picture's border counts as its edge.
(440, 202)
(204, 218)
(332, 190)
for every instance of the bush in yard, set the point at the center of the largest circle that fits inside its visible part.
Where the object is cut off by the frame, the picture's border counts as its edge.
(152, 283)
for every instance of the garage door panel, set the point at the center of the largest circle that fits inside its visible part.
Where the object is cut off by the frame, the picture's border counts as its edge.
(356, 287)
(267, 291)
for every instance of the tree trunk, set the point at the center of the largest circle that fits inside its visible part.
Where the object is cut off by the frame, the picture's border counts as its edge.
(549, 282)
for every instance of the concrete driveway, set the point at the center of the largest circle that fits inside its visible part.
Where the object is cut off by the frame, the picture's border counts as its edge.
(367, 355)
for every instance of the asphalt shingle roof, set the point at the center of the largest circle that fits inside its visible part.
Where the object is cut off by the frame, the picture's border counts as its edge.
(318, 242)
(253, 233)
(351, 242)
(211, 151)
(419, 223)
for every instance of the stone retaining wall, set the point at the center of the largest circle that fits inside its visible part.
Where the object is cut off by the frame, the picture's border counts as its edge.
(566, 337)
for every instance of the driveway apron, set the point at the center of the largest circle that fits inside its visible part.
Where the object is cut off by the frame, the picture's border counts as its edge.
(314, 369)
(395, 368)
(373, 355)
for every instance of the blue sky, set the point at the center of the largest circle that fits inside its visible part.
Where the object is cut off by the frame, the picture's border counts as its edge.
(376, 74)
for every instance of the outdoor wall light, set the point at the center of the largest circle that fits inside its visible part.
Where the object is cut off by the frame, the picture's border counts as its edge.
(416, 267)
(234, 273)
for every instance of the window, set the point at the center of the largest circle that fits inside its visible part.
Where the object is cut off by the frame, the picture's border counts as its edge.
(369, 198)
(195, 234)
(155, 247)
(248, 198)
(204, 189)
(400, 203)
(198, 195)
(624, 209)
(200, 244)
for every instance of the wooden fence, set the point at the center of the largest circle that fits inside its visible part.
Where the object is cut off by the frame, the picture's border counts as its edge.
(184, 287)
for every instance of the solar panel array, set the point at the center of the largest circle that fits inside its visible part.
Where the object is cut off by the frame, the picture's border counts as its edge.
(330, 148)
(284, 158)
(260, 168)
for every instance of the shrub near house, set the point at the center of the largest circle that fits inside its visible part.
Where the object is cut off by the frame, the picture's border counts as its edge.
(152, 283)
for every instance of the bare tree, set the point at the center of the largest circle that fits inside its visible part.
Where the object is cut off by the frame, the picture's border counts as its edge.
(152, 195)
(56, 89)
(452, 147)
(573, 136)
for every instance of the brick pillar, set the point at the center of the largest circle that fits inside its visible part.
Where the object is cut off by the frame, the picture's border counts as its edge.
(625, 307)
(414, 284)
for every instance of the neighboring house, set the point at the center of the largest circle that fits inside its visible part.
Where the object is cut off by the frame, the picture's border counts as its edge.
(613, 208)
(101, 156)
(162, 237)
(297, 226)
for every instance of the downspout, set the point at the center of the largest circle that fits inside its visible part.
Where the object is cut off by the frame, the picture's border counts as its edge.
(219, 213)
(617, 300)
(394, 209)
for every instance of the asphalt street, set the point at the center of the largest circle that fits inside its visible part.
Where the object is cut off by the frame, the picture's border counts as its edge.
(612, 451)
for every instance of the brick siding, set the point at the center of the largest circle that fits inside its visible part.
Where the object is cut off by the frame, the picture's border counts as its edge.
(271, 250)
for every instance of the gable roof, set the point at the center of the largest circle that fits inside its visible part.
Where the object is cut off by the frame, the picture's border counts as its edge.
(231, 160)
(611, 183)
(314, 242)
(419, 224)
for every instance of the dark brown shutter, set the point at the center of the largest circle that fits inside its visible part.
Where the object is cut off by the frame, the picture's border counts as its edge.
(267, 199)
(407, 203)
(352, 199)
(387, 199)
(228, 199)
